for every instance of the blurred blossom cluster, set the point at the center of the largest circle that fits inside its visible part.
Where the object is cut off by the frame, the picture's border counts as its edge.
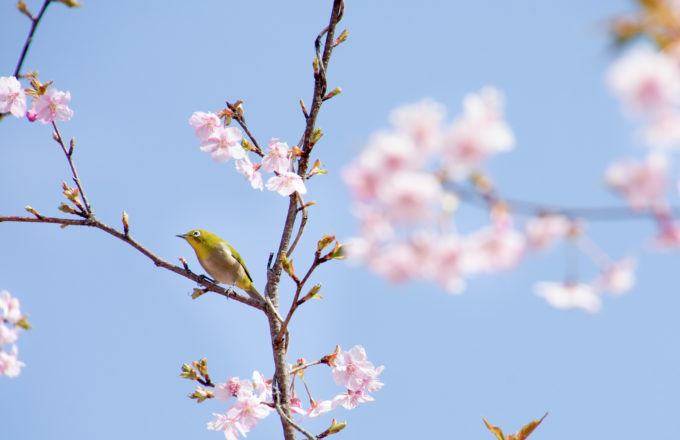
(646, 80)
(11, 322)
(351, 370)
(406, 185)
(224, 143)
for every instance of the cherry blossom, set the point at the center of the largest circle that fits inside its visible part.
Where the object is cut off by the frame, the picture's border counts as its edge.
(286, 184)
(618, 277)
(12, 97)
(230, 426)
(421, 121)
(53, 105)
(663, 130)
(410, 196)
(544, 230)
(643, 184)
(351, 399)
(10, 366)
(8, 335)
(495, 249)
(352, 368)
(250, 171)
(277, 159)
(569, 295)
(9, 308)
(319, 408)
(223, 144)
(248, 410)
(205, 124)
(645, 80)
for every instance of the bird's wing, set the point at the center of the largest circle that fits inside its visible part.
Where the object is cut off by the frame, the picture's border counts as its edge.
(236, 255)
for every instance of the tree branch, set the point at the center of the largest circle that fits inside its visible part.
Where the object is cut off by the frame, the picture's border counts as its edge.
(35, 21)
(95, 223)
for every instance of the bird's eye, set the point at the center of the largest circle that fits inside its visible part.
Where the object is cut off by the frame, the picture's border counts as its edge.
(196, 233)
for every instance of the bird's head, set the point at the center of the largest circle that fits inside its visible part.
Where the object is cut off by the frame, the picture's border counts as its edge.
(202, 241)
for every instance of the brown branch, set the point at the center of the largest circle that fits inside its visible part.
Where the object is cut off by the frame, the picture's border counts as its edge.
(238, 117)
(303, 222)
(95, 223)
(35, 21)
(69, 157)
(274, 275)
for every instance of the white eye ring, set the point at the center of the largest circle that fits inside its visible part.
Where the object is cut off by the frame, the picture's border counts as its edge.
(196, 233)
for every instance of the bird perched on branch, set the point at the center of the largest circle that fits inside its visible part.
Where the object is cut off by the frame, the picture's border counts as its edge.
(221, 261)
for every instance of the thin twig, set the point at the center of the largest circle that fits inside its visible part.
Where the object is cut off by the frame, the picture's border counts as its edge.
(303, 222)
(238, 117)
(74, 172)
(34, 25)
(95, 223)
(304, 366)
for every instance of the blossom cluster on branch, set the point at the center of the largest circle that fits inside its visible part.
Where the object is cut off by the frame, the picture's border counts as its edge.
(11, 322)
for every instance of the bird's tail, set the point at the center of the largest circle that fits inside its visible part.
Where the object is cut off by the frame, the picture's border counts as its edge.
(254, 294)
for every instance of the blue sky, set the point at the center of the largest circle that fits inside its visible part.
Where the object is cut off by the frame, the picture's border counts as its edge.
(111, 331)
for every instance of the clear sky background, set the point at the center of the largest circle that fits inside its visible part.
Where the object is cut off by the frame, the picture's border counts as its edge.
(111, 331)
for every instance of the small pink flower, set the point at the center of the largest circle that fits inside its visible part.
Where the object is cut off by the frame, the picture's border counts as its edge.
(8, 335)
(351, 399)
(205, 124)
(277, 160)
(643, 184)
(352, 368)
(52, 105)
(230, 426)
(493, 249)
(645, 80)
(296, 407)
(421, 121)
(618, 277)
(569, 295)
(319, 408)
(248, 410)
(31, 115)
(10, 366)
(223, 144)
(286, 184)
(261, 386)
(544, 230)
(9, 308)
(12, 97)
(410, 196)
(249, 170)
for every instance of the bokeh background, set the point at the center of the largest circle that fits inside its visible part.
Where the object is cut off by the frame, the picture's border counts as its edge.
(111, 331)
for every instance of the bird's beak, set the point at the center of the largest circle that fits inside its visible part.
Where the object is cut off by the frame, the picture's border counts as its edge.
(184, 236)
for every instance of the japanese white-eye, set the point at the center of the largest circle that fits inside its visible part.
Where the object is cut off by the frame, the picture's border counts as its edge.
(221, 261)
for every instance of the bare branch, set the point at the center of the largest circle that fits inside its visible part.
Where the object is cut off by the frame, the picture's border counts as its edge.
(29, 39)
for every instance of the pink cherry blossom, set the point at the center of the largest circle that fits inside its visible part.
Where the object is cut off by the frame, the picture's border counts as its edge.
(277, 159)
(296, 407)
(10, 366)
(544, 230)
(569, 295)
(319, 408)
(262, 388)
(8, 335)
(643, 184)
(645, 80)
(396, 262)
(479, 134)
(352, 368)
(410, 196)
(53, 105)
(31, 115)
(248, 410)
(223, 144)
(388, 152)
(421, 121)
(205, 124)
(230, 426)
(668, 236)
(351, 399)
(493, 249)
(12, 97)
(245, 167)
(453, 262)
(662, 130)
(10, 310)
(618, 277)
(286, 184)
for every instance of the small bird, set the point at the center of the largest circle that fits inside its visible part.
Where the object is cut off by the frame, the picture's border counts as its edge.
(221, 261)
